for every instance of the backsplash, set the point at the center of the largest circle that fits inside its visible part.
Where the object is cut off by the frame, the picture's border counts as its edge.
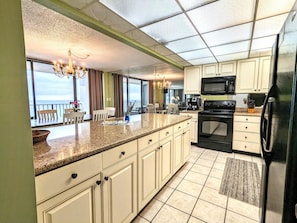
(239, 98)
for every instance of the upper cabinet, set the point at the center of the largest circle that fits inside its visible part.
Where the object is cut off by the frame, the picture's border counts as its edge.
(253, 75)
(219, 69)
(192, 80)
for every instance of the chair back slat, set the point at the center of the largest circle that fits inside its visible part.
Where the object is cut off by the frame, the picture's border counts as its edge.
(100, 115)
(73, 118)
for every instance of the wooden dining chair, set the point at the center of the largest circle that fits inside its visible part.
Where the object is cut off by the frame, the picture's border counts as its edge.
(111, 111)
(73, 118)
(68, 110)
(100, 115)
(150, 108)
(47, 115)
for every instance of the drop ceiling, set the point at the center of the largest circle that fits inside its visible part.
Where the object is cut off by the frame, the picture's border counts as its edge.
(152, 36)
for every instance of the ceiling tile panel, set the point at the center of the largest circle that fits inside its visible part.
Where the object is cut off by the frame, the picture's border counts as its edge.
(195, 54)
(231, 48)
(191, 4)
(187, 44)
(262, 43)
(177, 27)
(221, 14)
(140, 13)
(228, 35)
(267, 8)
(270, 26)
(203, 61)
(233, 56)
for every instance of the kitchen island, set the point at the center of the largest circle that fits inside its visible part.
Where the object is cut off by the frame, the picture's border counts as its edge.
(96, 168)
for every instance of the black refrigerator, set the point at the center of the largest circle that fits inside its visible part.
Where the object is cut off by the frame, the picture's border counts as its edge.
(278, 130)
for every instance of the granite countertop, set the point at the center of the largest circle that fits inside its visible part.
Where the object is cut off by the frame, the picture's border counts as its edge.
(69, 143)
(244, 111)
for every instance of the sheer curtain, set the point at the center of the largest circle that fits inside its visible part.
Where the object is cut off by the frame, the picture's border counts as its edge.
(118, 94)
(96, 90)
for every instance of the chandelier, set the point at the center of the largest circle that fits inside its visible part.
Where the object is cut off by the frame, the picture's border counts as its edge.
(62, 70)
(165, 85)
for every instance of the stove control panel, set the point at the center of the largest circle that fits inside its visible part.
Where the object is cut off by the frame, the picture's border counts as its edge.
(229, 105)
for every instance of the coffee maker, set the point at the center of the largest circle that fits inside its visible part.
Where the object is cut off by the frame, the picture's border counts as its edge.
(193, 103)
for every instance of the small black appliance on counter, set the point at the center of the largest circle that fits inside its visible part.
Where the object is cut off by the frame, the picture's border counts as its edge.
(193, 103)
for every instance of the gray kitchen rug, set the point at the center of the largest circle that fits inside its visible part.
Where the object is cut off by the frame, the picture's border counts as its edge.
(241, 180)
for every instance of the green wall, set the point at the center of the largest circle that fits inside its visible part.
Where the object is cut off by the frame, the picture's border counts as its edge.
(108, 89)
(17, 188)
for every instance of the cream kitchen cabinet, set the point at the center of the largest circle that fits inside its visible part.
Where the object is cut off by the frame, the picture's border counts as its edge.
(119, 186)
(154, 164)
(253, 75)
(192, 80)
(182, 144)
(246, 134)
(71, 193)
(193, 127)
(219, 69)
(148, 169)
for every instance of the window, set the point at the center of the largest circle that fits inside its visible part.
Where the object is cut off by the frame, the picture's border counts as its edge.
(47, 91)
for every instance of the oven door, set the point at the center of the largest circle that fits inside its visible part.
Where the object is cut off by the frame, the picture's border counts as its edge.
(215, 131)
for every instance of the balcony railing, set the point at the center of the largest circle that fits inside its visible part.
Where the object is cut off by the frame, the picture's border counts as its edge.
(60, 107)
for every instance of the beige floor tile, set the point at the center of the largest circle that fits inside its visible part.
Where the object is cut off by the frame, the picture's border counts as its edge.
(220, 166)
(194, 220)
(213, 183)
(206, 156)
(221, 159)
(164, 194)
(243, 208)
(196, 177)
(181, 173)
(140, 219)
(190, 188)
(232, 217)
(173, 183)
(216, 173)
(223, 154)
(208, 212)
(242, 157)
(150, 211)
(182, 201)
(169, 214)
(187, 166)
(204, 162)
(213, 196)
(200, 169)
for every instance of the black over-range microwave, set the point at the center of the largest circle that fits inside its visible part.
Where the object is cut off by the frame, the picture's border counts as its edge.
(218, 85)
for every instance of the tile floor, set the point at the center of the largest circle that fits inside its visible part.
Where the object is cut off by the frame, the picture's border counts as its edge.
(192, 195)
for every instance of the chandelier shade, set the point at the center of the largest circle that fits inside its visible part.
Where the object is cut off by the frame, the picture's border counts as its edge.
(62, 70)
(165, 85)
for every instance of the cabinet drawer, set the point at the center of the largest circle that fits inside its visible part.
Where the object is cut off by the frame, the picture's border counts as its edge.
(148, 140)
(246, 146)
(178, 127)
(254, 119)
(187, 123)
(247, 127)
(166, 132)
(246, 136)
(61, 179)
(118, 153)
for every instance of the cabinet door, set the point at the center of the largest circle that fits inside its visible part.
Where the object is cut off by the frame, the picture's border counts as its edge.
(192, 80)
(120, 191)
(264, 72)
(210, 70)
(227, 68)
(194, 130)
(186, 145)
(147, 175)
(81, 203)
(177, 151)
(165, 157)
(247, 73)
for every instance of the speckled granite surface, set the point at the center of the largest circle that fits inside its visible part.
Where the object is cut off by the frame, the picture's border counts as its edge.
(244, 111)
(70, 143)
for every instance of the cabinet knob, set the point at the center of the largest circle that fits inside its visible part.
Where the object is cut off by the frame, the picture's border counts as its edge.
(246, 119)
(123, 153)
(245, 147)
(98, 182)
(255, 89)
(150, 140)
(74, 175)
(167, 133)
(245, 137)
(246, 127)
(106, 178)
(160, 147)
(179, 127)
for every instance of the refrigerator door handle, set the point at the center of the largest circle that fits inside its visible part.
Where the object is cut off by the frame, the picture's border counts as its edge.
(265, 130)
